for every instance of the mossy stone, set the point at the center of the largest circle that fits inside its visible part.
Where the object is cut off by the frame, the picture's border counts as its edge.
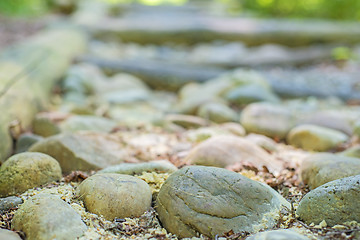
(336, 202)
(27, 170)
(115, 195)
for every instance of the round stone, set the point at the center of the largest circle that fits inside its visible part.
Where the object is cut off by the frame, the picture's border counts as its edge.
(115, 195)
(336, 202)
(8, 235)
(217, 112)
(268, 119)
(281, 234)
(318, 169)
(27, 170)
(225, 151)
(315, 138)
(212, 201)
(46, 216)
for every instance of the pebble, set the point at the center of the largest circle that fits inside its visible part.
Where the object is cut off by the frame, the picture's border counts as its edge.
(9, 202)
(225, 151)
(320, 168)
(46, 216)
(44, 126)
(115, 195)
(27, 170)
(250, 93)
(186, 121)
(315, 138)
(271, 120)
(8, 235)
(281, 234)
(87, 123)
(217, 112)
(336, 202)
(212, 201)
(25, 141)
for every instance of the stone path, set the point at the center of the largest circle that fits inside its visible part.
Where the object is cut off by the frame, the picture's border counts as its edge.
(224, 156)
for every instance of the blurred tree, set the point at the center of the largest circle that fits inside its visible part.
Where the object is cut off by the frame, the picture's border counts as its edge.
(23, 7)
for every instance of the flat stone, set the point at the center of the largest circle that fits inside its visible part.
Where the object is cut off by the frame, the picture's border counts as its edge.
(44, 126)
(250, 93)
(318, 169)
(207, 200)
(8, 235)
(27, 170)
(217, 112)
(161, 166)
(315, 138)
(46, 216)
(336, 202)
(82, 151)
(281, 234)
(225, 151)
(267, 119)
(25, 141)
(9, 202)
(115, 195)
(186, 121)
(87, 123)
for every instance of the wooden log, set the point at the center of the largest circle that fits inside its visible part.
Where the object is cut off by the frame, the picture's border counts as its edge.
(158, 74)
(285, 82)
(175, 26)
(28, 71)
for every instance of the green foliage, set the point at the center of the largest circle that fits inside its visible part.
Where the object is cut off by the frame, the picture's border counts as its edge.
(341, 53)
(22, 7)
(332, 9)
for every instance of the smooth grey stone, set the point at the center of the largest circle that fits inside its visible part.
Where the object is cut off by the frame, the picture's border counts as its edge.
(315, 138)
(281, 234)
(318, 169)
(8, 235)
(212, 201)
(9, 202)
(46, 216)
(335, 202)
(267, 119)
(25, 141)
